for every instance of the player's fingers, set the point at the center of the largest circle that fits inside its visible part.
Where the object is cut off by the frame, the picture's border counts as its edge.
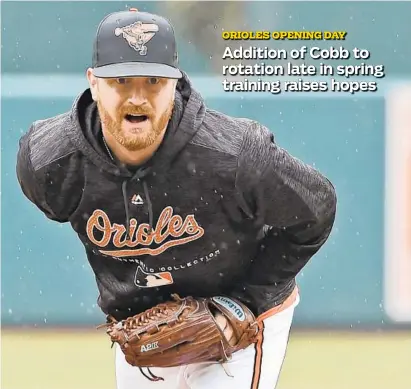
(227, 329)
(221, 321)
(229, 333)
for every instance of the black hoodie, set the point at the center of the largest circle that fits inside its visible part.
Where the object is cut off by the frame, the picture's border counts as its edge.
(230, 212)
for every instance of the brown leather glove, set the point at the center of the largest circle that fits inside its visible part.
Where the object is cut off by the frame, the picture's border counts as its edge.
(184, 331)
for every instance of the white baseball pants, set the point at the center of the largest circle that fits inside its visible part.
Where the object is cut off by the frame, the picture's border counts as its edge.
(256, 367)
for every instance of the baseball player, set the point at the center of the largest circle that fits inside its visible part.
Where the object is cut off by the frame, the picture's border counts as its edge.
(171, 197)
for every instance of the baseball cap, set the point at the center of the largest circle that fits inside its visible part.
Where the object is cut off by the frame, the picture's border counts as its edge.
(133, 44)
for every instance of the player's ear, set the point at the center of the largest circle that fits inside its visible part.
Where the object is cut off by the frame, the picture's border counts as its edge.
(92, 81)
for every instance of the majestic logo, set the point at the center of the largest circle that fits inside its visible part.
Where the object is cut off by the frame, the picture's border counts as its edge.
(137, 200)
(231, 306)
(102, 232)
(137, 35)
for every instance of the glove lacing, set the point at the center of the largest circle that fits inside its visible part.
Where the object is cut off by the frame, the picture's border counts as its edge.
(134, 322)
(153, 377)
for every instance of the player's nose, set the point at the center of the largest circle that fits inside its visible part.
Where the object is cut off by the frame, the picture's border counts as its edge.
(137, 96)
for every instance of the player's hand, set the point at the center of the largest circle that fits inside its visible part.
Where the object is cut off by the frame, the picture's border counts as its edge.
(227, 328)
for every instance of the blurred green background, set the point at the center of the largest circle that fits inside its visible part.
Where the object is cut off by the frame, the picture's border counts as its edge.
(79, 359)
(352, 328)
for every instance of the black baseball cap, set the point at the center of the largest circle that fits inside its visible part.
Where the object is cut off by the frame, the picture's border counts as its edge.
(135, 44)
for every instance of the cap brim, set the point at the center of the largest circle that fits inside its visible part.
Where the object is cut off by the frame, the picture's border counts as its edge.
(137, 69)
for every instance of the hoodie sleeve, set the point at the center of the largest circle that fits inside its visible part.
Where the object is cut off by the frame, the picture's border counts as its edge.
(33, 183)
(293, 203)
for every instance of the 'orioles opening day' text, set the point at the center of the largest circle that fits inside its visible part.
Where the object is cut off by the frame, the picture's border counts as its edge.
(281, 35)
(303, 69)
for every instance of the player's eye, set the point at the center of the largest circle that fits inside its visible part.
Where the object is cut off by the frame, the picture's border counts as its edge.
(121, 80)
(153, 80)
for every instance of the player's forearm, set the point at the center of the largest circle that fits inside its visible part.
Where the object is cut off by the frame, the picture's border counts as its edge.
(282, 256)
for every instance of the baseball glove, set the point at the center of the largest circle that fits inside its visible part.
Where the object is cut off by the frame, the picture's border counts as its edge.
(183, 331)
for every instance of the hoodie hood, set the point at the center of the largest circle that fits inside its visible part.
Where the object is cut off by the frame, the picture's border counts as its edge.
(187, 117)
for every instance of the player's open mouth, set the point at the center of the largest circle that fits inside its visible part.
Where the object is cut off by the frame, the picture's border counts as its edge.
(136, 118)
